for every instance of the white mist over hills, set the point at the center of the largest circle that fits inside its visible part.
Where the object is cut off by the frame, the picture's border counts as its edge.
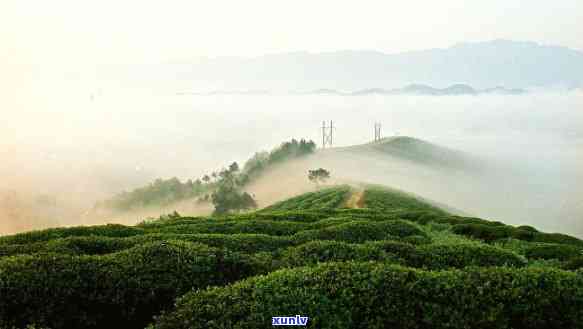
(78, 150)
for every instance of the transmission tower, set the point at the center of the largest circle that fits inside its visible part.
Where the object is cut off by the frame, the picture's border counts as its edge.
(377, 131)
(327, 135)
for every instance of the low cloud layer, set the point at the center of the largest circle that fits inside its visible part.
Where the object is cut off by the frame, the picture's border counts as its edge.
(64, 151)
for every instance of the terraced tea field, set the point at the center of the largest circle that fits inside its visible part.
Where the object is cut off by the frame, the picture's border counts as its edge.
(395, 261)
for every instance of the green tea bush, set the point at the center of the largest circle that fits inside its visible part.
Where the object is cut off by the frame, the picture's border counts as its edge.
(374, 295)
(97, 245)
(405, 252)
(290, 215)
(331, 221)
(361, 231)
(419, 216)
(21, 249)
(120, 290)
(443, 256)
(424, 217)
(416, 239)
(490, 233)
(386, 199)
(527, 228)
(364, 213)
(553, 251)
(87, 245)
(574, 263)
(557, 238)
(328, 198)
(109, 230)
(239, 226)
(246, 243)
(325, 251)
(482, 232)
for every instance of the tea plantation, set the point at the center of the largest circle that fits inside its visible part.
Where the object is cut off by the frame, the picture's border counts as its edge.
(398, 262)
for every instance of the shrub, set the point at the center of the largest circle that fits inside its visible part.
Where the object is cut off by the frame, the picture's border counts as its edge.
(527, 228)
(325, 251)
(121, 290)
(328, 198)
(419, 216)
(381, 198)
(21, 249)
(553, 251)
(331, 221)
(246, 243)
(574, 263)
(482, 232)
(360, 231)
(490, 233)
(416, 239)
(427, 216)
(557, 238)
(290, 216)
(373, 295)
(364, 213)
(442, 256)
(87, 245)
(109, 230)
(406, 253)
(96, 245)
(239, 226)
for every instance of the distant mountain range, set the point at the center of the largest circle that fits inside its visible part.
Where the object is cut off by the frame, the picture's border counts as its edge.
(414, 89)
(484, 64)
(418, 89)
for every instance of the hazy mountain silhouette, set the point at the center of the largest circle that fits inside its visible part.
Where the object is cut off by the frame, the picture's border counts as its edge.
(413, 89)
(481, 65)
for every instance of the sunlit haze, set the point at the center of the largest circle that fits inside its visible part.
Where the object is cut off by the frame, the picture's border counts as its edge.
(101, 97)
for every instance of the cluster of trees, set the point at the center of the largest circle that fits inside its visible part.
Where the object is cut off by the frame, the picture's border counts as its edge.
(287, 150)
(159, 192)
(228, 196)
(222, 188)
(318, 176)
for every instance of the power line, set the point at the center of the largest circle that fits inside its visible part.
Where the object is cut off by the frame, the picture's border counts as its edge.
(327, 134)
(377, 131)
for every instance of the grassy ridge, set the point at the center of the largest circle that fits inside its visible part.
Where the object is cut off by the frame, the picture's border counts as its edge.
(359, 268)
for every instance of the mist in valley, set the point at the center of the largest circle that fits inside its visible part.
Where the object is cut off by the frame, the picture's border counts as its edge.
(70, 146)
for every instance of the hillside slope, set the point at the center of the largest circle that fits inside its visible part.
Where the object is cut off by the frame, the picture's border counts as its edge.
(341, 267)
(506, 191)
(465, 183)
(403, 162)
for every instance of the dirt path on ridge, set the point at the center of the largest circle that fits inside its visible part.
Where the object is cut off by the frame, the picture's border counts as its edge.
(356, 199)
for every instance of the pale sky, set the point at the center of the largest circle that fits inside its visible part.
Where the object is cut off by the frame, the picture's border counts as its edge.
(158, 30)
(63, 35)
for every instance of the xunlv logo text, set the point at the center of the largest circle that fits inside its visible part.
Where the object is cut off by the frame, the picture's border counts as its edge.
(289, 320)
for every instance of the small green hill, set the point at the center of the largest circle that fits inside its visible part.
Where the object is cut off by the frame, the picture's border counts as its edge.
(418, 151)
(395, 261)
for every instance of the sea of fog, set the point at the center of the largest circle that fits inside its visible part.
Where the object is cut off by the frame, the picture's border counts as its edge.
(84, 144)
